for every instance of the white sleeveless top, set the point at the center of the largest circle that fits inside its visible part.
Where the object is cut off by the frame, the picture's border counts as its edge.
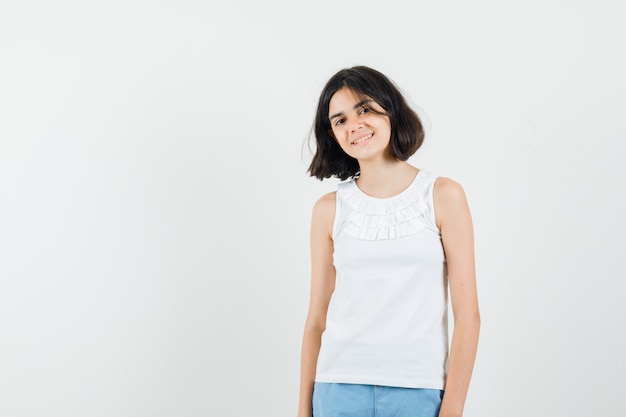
(387, 321)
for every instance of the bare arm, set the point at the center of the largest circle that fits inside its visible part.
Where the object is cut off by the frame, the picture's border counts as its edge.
(322, 286)
(455, 223)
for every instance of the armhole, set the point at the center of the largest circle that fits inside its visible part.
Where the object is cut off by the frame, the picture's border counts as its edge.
(337, 212)
(432, 217)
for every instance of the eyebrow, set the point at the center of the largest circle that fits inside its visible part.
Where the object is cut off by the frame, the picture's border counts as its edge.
(356, 106)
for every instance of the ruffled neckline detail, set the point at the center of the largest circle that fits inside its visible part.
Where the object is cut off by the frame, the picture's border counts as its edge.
(372, 218)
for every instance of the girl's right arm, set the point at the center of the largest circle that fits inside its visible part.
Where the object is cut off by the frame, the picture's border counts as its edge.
(322, 286)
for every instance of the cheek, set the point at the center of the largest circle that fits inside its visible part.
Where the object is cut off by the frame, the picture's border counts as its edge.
(336, 133)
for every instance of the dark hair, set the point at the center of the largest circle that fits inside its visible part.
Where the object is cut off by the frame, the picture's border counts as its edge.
(407, 133)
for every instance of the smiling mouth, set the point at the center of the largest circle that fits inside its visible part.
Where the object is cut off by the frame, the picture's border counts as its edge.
(363, 139)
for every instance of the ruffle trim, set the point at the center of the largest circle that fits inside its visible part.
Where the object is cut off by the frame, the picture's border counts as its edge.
(387, 218)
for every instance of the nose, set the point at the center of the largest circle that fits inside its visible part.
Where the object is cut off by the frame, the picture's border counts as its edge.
(354, 124)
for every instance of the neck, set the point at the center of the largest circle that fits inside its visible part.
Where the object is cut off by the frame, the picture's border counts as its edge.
(386, 178)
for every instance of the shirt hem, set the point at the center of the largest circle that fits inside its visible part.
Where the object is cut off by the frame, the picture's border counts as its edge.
(425, 384)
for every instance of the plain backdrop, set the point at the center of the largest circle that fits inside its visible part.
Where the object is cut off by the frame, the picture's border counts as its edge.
(155, 206)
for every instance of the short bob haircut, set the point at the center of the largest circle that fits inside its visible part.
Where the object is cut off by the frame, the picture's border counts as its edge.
(407, 133)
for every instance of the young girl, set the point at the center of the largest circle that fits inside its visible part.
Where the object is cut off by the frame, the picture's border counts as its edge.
(385, 248)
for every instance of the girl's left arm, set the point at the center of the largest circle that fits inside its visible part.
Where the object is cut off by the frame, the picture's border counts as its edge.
(457, 236)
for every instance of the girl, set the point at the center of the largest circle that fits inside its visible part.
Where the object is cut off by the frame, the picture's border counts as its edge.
(385, 248)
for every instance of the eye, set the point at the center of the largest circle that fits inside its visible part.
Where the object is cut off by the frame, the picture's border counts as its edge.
(364, 110)
(339, 122)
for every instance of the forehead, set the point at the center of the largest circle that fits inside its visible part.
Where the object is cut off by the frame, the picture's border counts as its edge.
(344, 100)
(345, 95)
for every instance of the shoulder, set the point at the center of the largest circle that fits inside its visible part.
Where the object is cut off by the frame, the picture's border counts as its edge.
(447, 190)
(324, 208)
(323, 215)
(449, 198)
(325, 202)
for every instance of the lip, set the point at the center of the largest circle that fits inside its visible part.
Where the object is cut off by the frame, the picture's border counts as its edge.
(362, 139)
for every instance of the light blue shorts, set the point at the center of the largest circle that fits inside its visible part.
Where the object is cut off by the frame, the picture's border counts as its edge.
(354, 400)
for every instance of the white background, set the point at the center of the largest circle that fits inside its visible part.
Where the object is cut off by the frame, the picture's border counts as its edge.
(154, 202)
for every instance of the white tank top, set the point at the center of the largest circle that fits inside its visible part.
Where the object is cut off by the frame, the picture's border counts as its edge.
(387, 320)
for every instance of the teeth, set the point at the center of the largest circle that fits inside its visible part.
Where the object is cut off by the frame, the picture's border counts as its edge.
(362, 139)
